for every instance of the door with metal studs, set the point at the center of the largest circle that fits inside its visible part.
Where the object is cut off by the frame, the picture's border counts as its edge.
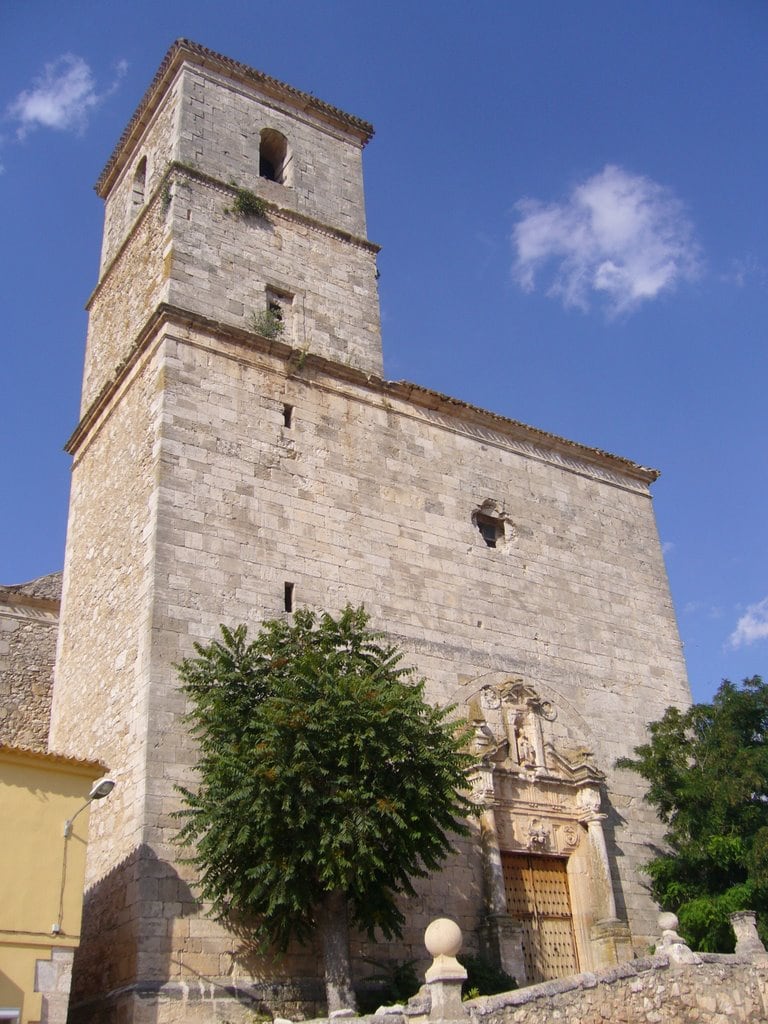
(536, 888)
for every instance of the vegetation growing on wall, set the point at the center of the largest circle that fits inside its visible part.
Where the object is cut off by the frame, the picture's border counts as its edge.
(267, 323)
(247, 203)
(484, 978)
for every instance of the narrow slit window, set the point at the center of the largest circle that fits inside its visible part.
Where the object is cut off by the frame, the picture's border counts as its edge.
(287, 415)
(288, 591)
(140, 182)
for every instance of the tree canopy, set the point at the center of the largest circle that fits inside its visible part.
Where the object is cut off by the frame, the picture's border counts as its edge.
(327, 783)
(707, 770)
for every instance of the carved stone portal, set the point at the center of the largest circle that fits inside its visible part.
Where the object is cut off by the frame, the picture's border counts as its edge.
(540, 793)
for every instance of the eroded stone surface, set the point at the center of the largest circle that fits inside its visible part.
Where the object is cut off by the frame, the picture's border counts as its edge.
(29, 619)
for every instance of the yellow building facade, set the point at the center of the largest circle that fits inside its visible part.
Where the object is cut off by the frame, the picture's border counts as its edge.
(44, 799)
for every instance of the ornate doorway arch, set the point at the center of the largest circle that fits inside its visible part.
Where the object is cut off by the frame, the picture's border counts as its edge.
(542, 835)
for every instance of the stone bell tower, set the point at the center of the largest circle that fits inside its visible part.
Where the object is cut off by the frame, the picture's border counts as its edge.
(239, 455)
(234, 248)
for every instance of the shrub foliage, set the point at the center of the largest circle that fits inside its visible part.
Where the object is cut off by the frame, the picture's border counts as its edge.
(327, 783)
(707, 770)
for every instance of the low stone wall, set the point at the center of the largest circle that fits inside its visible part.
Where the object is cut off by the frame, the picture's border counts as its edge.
(721, 989)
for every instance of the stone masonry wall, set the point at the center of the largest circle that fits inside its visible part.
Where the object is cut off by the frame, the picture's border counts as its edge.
(223, 263)
(720, 990)
(107, 609)
(577, 602)
(193, 504)
(159, 144)
(136, 282)
(29, 619)
(220, 135)
(103, 657)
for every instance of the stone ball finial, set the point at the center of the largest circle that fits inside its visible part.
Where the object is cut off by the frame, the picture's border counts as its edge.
(443, 937)
(668, 922)
(672, 944)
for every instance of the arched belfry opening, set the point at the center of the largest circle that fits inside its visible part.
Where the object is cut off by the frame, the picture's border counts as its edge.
(139, 182)
(274, 156)
(550, 904)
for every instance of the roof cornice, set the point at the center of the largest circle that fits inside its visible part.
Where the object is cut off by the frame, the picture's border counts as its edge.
(184, 50)
(528, 440)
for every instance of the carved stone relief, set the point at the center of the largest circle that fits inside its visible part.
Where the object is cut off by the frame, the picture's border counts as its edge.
(540, 791)
(522, 760)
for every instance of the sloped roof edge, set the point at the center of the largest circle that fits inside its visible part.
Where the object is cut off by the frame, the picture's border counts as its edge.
(42, 588)
(80, 765)
(437, 400)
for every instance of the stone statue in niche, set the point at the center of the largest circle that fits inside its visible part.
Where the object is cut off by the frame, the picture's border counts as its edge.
(512, 733)
(526, 752)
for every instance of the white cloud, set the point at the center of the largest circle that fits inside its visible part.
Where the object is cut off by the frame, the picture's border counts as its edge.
(62, 97)
(752, 626)
(618, 237)
(667, 547)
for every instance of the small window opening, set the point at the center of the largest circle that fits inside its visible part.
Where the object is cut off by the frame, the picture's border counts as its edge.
(490, 519)
(287, 415)
(274, 160)
(491, 530)
(288, 596)
(140, 182)
(276, 309)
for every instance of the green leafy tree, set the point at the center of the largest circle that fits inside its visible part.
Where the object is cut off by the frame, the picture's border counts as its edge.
(326, 783)
(707, 770)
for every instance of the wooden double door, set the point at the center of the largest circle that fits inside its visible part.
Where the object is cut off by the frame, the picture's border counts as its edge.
(537, 894)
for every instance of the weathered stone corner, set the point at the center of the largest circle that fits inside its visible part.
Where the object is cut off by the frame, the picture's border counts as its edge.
(748, 942)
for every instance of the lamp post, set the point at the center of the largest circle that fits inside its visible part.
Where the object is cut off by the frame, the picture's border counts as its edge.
(99, 790)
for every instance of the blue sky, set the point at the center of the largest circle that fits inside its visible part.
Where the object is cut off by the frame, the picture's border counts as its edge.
(571, 203)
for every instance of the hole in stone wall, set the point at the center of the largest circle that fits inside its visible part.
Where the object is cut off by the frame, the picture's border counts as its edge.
(287, 415)
(491, 530)
(491, 522)
(288, 590)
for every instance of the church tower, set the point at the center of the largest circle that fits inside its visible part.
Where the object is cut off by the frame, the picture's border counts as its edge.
(239, 455)
(234, 248)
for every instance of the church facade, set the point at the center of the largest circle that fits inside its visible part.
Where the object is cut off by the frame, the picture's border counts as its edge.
(239, 455)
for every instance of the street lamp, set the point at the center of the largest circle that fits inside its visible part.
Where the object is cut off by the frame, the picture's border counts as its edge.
(98, 791)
